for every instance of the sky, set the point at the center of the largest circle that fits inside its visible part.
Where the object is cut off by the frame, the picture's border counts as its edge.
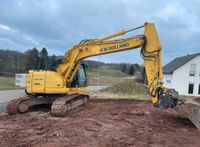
(60, 24)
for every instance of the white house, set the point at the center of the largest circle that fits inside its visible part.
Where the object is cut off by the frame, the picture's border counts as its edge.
(183, 74)
(20, 80)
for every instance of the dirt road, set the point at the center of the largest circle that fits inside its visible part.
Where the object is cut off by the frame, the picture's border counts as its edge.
(7, 95)
(101, 123)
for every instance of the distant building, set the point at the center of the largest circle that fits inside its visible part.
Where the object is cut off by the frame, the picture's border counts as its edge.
(20, 80)
(183, 74)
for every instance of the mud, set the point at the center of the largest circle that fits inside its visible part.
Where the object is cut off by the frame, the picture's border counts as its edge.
(101, 123)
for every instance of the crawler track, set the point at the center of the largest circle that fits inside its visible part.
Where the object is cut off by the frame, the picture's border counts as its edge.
(68, 104)
(61, 106)
(13, 105)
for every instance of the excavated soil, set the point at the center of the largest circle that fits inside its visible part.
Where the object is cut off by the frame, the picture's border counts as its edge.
(101, 123)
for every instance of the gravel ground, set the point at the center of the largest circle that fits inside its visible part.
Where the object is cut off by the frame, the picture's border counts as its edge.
(100, 123)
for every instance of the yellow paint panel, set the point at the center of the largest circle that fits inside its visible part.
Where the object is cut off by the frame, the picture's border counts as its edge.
(153, 67)
(53, 80)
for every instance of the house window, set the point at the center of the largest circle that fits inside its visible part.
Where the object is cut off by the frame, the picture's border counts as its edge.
(199, 89)
(190, 88)
(168, 81)
(193, 70)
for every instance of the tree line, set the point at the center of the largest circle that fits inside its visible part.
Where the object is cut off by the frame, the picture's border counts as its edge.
(130, 69)
(17, 62)
(127, 68)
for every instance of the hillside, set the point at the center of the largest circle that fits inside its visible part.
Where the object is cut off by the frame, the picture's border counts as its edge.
(126, 88)
(105, 76)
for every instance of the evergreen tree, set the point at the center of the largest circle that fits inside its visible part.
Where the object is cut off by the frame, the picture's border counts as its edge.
(121, 66)
(124, 68)
(32, 59)
(144, 76)
(137, 67)
(131, 70)
(52, 62)
(43, 59)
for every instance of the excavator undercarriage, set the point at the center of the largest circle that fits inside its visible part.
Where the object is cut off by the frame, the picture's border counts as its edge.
(60, 105)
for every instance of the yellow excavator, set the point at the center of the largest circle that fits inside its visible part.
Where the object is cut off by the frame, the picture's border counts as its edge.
(64, 88)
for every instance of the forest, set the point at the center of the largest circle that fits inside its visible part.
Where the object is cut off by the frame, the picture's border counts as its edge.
(12, 62)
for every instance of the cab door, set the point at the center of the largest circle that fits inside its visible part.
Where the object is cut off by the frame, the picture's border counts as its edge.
(80, 79)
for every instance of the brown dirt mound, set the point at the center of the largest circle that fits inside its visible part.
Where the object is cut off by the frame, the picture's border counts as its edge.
(197, 99)
(101, 123)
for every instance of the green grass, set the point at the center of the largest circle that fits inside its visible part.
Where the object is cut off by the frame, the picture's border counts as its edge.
(107, 95)
(106, 76)
(7, 83)
(106, 73)
(126, 89)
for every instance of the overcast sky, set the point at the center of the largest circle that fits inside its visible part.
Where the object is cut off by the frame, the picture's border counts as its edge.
(60, 24)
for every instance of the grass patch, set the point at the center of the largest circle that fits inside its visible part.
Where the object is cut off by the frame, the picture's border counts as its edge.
(106, 76)
(106, 73)
(107, 95)
(127, 89)
(8, 83)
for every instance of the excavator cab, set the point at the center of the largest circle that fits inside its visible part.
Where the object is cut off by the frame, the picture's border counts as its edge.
(80, 79)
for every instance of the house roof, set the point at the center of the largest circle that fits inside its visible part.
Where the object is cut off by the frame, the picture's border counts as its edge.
(178, 62)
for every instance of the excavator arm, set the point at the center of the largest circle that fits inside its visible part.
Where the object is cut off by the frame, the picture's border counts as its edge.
(151, 52)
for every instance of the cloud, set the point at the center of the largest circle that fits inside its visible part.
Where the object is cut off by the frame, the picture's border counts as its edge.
(12, 38)
(5, 27)
(180, 14)
(58, 25)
